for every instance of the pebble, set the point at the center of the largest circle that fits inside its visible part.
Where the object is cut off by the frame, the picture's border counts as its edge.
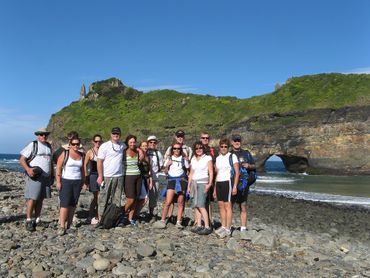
(285, 238)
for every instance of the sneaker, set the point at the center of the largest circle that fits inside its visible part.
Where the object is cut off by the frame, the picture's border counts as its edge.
(205, 231)
(179, 225)
(219, 230)
(224, 233)
(94, 221)
(132, 223)
(61, 231)
(196, 229)
(31, 225)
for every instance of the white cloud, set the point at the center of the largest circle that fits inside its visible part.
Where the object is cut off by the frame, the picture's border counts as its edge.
(360, 70)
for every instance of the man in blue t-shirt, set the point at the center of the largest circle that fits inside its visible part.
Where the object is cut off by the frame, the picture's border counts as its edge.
(247, 162)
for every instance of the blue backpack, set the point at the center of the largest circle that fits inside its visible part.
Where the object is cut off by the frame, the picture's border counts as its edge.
(246, 178)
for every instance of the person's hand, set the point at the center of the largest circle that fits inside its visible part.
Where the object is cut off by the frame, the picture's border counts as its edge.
(169, 163)
(99, 180)
(150, 184)
(234, 191)
(59, 186)
(207, 187)
(30, 172)
(214, 194)
(188, 189)
(245, 165)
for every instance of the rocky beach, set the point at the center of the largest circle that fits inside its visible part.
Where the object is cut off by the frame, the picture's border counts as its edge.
(286, 238)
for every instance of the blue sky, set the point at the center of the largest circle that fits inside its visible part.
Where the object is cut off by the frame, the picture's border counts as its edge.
(49, 49)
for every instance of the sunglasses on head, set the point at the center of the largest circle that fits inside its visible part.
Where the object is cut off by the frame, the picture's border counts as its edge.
(75, 144)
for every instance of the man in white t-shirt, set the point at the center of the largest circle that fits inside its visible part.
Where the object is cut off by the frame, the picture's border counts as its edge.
(36, 161)
(110, 166)
(156, 164)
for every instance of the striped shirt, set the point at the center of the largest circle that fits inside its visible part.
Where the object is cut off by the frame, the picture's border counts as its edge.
(132, 167)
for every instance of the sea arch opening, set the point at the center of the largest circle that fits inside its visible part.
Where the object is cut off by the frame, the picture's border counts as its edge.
(292, 163)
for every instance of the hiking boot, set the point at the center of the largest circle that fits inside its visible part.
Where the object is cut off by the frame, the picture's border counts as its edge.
(224, 233)
(179, 225)
(205, 231)
(161, 224)
(61, 231)
(196, 229)
(219, 230)
(31, 225)
(132, 223)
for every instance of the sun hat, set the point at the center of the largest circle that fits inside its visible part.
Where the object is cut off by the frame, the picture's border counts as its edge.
(42, 130)
(152, 138)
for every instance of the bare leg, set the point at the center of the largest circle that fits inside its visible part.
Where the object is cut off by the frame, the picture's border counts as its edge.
(221, 206)
(71, 212)
(38, 207)
(130, 203)
(228, 214)
(180, 206)
(198, 217)
(29, 209)
(63, 215)
(243, 215)
(166, 208)
(204, 214)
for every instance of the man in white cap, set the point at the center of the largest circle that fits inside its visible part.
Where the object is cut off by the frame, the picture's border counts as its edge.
(156, 164)
(36, 161)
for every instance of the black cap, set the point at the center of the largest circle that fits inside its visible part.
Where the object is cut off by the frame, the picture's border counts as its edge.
(116, 130)
(236, 137)
(180, 133)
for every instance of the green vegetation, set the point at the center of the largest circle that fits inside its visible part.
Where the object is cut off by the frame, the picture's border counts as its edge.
(163, 111)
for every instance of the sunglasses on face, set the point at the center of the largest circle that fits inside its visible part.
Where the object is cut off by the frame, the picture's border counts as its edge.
(176, 149)
(152, 142)
(224, 147)
(75, 144)
(205, 138)
(97, 141)
(180, 136)
(43, 134)
(199, 148)
(237, 140)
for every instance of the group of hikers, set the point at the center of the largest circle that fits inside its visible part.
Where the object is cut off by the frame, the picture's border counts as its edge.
(115, 168)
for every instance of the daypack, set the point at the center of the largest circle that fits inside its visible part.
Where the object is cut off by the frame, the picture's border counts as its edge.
(111, 214)
(34, 151)
(66, 156)
(246, 178)
(57, 153)
(149, 153)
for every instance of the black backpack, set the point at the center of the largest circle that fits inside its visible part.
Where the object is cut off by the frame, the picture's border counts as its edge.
(112, 212)
(34, 151)
(57, 153)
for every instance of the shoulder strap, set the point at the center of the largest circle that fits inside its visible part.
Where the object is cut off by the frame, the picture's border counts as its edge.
(232, 170)
(34, 151)
(66, 156)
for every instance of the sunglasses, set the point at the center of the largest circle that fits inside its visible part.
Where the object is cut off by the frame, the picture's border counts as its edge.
(98, 141)
(199, 148)
(152, 142)
(205, 138)
(237, 140)
(180, 136)
(75, 144)
(224, 147)
(176, 149)
(43, 134)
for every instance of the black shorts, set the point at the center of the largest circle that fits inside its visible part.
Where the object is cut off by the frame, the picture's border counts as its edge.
(133, 186)
(93, 185)
(70, 193)
(183, 184)
(241, 197)
(223, 191)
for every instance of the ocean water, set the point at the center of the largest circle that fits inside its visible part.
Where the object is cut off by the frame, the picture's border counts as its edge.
(339, 190)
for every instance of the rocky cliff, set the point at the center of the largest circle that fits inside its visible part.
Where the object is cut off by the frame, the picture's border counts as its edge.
(319, 141)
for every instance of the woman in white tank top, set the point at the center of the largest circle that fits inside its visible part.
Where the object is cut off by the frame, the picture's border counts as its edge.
(70, 176)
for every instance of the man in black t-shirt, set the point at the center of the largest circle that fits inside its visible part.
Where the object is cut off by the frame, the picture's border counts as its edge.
(247, 162)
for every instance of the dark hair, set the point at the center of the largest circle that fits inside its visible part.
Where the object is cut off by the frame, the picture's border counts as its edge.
(197, 143)
(224, 141)
(72, 134)
(75, 138)
(129, 137)
(181, 150)
(97, 135)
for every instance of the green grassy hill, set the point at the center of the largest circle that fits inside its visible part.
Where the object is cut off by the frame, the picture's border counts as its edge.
(162, 112)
